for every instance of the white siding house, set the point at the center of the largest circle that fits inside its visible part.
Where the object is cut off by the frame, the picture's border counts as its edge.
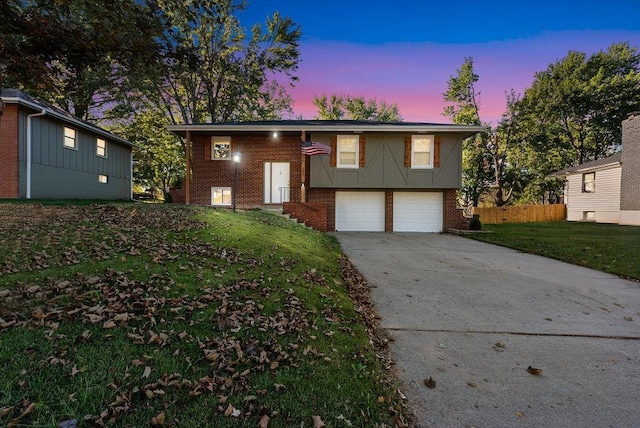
(592, 190)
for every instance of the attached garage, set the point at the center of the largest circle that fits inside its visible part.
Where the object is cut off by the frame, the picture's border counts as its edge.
(360, 211)
(417, 211)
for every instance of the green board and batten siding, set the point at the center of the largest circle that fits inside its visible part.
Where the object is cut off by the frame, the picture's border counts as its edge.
(60, 172)
(385, 169)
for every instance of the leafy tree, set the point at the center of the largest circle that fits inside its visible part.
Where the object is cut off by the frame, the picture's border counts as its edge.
(214, 72)
(159, 157)
(465, 111)
(355, 108)
(76, 53)
(575, 107)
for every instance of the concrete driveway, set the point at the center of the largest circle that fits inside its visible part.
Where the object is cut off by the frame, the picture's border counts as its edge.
(475, 316)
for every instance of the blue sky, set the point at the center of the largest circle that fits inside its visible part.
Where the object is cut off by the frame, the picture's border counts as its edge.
(405, 51)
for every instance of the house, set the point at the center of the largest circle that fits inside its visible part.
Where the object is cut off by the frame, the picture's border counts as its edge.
(607, 190)
(592, 190)
(48, 153)
(379, 176)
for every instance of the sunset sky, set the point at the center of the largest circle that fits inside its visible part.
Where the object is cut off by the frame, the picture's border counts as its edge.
(405, 51)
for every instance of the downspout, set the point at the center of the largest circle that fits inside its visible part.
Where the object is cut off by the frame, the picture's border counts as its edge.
(42, 113)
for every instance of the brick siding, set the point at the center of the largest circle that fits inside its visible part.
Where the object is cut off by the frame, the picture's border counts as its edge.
(630, 184)
(388, 210)
(9, 152)
(453, 218)
(311, 214)
(255, 151)
(328, 198)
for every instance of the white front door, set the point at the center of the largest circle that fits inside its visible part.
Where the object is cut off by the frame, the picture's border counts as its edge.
(276, 182)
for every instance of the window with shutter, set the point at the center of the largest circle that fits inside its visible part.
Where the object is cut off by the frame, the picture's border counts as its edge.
(220, 148)
(422, 151)
(348, 150)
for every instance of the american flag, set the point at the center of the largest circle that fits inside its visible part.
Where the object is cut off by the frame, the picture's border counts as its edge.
(314, 148)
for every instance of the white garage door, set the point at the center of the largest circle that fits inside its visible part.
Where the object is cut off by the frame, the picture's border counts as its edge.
(417, 212)
(360, 211)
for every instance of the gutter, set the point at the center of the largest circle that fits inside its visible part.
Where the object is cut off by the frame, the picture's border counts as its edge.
(69, 119)
(29, 144)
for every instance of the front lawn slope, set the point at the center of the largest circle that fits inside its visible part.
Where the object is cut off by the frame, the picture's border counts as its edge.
(150, 315)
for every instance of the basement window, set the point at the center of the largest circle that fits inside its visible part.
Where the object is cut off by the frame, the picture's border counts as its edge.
(221, 196)
(103, 179)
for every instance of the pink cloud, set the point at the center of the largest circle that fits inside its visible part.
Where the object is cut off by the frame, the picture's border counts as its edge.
(415, 75)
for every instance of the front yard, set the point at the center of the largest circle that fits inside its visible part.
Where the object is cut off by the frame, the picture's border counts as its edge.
(151, 315)
(605, 247)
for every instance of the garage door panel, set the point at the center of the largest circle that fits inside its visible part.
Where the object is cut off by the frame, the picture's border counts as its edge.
(417, 211)
(360, 211)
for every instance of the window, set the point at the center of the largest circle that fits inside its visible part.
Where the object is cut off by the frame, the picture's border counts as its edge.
(422, 151)
(103, 179)
(589, 215)
(589, 182)
(221, 196)
(348, 151)
(69, 138)
(220, 148)
(101, 148)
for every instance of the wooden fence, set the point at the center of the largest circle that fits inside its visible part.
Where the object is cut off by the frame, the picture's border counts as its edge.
(521, 214)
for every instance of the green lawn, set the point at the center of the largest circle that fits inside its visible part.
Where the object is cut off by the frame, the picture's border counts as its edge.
(143, 314)
(606, 247)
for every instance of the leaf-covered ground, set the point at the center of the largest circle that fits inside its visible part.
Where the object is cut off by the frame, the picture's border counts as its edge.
(139, 315)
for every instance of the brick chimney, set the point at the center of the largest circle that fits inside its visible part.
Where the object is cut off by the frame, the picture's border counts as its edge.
(630, 184)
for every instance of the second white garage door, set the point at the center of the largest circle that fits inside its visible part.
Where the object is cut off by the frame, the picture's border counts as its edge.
(417, 211)
(360, 211)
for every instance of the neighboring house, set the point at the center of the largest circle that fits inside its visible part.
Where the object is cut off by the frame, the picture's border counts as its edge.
(592, 190)
(380, 176)
(607, 190)
(48, 153)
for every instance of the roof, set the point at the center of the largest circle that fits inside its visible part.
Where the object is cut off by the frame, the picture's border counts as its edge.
(324, 126)
(613, 160)
(15, 96)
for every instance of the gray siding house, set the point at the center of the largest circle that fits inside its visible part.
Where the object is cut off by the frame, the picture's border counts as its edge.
(362, 175)
(607, 190)
(50, 154)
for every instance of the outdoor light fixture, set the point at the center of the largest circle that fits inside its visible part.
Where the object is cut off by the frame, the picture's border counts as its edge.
(237, 156)
(275, 134)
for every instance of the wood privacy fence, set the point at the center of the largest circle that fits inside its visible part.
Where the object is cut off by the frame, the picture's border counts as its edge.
(521, 214)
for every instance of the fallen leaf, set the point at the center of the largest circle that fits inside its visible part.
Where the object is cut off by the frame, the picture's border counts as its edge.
(381, 399)
(472, 384)
(534, 371)
(430, 383)
(147, 372)
(499, 346)
(108, 324)
(317, 422)
(264, 422)
(520, 414)
(158, 419)
(231, 411)
(442, 345)
(5, 411)
(71, 423)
